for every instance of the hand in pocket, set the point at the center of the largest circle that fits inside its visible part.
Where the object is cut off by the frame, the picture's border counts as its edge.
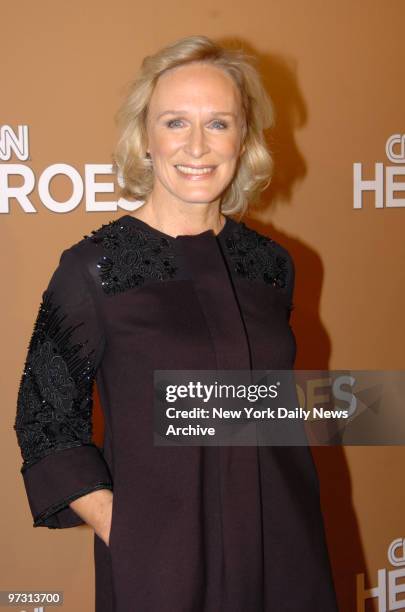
(109, 522)
(104, 522)
(95, 508)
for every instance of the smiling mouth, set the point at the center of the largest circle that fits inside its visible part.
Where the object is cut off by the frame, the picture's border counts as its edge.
(195, 170)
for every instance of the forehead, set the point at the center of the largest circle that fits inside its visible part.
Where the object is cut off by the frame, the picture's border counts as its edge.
(195, 84)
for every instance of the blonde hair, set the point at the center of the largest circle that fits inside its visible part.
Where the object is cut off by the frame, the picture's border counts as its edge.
(255, 165)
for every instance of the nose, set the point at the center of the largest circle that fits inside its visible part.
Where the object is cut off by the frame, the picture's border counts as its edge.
(196, 144)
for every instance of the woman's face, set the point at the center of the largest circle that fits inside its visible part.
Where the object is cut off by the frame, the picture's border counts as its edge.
(194, 130)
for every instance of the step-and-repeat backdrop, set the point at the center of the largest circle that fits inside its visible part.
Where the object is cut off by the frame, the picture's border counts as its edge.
(335, 73)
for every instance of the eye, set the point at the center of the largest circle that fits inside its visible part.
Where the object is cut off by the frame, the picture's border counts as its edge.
(172, 122)
(223, 125)
(218, 124)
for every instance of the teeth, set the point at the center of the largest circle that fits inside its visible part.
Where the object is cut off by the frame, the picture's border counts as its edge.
(188, 170)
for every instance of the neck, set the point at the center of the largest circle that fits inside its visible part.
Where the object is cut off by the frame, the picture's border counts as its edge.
(175, 218)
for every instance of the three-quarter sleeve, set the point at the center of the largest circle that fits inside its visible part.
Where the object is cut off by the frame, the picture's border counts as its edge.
(54, 407)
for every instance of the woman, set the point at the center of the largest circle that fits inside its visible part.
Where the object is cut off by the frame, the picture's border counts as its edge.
(177, 285)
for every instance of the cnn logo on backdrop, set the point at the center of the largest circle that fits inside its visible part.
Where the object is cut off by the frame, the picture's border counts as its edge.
(382, 183)
(389, 584)
(15, 144)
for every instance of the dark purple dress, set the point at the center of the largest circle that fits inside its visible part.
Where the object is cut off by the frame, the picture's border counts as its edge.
(194, 528)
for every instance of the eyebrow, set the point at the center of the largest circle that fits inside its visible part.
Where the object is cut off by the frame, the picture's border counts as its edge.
(184, 112)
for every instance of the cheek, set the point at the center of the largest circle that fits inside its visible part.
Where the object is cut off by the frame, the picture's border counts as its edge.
(162, 145)
(229, 147)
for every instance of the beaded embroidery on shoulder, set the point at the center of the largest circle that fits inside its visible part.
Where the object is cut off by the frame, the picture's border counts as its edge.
(132, 257)
(257, 258)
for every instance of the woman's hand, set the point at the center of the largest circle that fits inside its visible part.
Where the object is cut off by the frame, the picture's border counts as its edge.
(105, 531)
(95, 509)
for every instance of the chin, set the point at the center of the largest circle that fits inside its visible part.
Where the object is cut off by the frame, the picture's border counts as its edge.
(200, 198)
(200, 192)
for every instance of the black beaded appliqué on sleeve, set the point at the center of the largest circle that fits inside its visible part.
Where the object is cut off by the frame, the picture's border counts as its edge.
(54, 404)
(133, 257)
